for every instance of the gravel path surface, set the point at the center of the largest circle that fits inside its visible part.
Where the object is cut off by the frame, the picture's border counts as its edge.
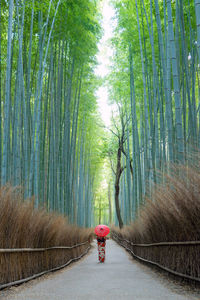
(120, 277)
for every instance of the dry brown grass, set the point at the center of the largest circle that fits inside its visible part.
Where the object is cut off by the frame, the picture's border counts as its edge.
(173, 215)
(23, 227)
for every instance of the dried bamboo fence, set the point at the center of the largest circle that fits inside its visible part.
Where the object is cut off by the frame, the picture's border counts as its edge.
(179, 258)
(21, 265)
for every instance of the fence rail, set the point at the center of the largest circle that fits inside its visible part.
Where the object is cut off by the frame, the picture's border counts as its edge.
(18, 250)
(161, 243)
(120, 241)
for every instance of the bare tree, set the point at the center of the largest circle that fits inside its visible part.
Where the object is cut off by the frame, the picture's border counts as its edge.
(120, 132)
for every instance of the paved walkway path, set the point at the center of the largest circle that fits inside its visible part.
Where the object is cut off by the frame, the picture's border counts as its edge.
(120, 277)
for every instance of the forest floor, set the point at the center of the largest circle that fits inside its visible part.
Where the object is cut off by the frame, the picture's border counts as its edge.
(120, 277)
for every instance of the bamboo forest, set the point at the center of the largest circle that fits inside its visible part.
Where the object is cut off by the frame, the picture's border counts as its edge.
(53, 141)
(99, 124)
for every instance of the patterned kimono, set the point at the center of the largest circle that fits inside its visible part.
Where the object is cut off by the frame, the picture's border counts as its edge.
(101, 242)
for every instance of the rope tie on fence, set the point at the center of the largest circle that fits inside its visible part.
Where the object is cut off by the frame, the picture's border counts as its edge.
(118, 239)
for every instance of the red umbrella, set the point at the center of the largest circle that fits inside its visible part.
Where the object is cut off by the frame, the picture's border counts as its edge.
(102, 230)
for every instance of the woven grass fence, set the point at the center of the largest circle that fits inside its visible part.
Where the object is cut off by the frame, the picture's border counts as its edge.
(34, 242)
(180, 259)
(21, 265)
(166, 232)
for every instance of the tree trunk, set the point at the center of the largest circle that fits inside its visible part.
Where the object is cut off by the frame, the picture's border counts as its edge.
(197, 9)
(0, 100)
(179, 129)
(6, 150)
(109, 201)
(117, 180)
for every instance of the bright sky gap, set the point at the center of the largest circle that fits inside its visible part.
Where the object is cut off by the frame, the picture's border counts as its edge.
(104, 57)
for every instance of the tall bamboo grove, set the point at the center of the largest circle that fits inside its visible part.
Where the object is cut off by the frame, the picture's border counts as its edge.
(155, 77)
(47, 84)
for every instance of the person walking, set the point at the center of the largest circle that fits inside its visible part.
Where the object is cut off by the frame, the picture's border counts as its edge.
(101, 242)
(101, 232)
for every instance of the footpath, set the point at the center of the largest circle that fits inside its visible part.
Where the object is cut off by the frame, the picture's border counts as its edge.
(120, 277)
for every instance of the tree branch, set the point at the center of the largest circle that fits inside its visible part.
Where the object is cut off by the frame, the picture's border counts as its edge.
(111, 163)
